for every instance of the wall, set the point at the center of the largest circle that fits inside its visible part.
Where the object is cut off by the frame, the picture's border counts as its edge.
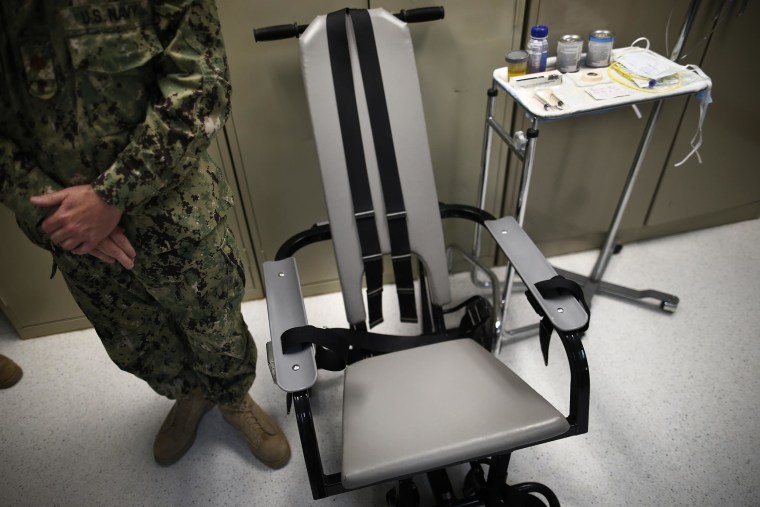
(268, 152)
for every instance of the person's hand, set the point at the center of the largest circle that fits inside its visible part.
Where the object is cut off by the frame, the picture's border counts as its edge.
(116, 248)
(80, 220)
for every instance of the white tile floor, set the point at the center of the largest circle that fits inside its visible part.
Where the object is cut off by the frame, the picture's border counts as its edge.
(675, 412)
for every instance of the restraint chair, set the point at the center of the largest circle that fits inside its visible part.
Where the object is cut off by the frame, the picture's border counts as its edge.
(412, 405)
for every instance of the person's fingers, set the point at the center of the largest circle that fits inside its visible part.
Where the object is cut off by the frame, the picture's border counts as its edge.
(52, 225)
(103, 257)
(69, 244)
(84, 248)
(121, 240)
(52, 222)
(57, 236)
(110, 248)
(78, 213)
(48, 200)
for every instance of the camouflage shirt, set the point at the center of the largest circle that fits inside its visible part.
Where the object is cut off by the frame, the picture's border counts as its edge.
(123, 95)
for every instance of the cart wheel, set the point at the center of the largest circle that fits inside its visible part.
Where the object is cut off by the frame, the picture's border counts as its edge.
(617, 248)
(668, 306)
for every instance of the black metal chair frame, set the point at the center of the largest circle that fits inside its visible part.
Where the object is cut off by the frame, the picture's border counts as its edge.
(484, 489)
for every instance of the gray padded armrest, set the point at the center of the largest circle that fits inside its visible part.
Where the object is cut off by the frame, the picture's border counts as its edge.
(564, 312)
(296, 371)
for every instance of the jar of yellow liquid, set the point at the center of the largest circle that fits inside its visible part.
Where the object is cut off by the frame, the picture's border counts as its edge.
(517, 63)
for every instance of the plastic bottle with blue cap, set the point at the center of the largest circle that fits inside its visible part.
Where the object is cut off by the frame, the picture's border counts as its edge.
(538, 48)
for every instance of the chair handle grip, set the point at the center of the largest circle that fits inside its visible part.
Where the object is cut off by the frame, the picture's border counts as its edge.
(421, 14)
(278, 32)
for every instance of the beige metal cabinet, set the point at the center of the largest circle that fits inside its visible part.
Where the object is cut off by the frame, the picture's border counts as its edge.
(34, 304)
(277, 163)
(221, 151)
(268, 152)
(270, 133)
(582, 164)
(726, 185)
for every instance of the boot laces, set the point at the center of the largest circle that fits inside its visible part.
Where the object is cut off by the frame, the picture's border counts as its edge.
(246, 410)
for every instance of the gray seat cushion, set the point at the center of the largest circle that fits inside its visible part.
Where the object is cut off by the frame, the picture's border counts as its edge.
(431, 406)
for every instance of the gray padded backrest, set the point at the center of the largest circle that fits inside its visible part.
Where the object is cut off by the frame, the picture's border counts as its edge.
(404, 101)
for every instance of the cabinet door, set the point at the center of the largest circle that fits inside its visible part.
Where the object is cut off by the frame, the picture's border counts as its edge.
(726, 185)
(35, 304)
(270, 131)
(221, 152)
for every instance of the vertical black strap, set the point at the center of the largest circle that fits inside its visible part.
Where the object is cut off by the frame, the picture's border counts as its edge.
(340, 62)
(386, 161)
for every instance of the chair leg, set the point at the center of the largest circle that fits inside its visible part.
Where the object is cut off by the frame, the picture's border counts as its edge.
(405, 495)
(494, 490)
(474, 481)
(440, 485)
(497, 479)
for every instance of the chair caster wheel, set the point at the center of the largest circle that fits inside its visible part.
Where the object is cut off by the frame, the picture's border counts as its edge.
(668, 306)
(518, 495)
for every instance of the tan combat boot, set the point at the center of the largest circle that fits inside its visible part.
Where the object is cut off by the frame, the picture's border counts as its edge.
(265, 438)
(10, 372)
(177, 433)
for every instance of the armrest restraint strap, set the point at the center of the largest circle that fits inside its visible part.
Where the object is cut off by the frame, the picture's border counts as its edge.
(549, 289)
(333, 346)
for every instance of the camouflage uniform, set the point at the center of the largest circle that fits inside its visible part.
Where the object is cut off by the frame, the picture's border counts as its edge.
(125, 96)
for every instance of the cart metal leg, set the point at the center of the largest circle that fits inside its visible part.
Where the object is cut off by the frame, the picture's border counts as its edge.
(491, 127)
(484, 169)
(522, 201)
(526, 154)
(593, 284)
(667, 302)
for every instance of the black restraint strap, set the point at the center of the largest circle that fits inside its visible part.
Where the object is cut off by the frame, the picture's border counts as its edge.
(353, 148)
(551, 289)
(386, 160)
(333, 345)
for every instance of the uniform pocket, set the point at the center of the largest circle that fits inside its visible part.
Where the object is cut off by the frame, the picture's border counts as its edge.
(114, 52)
(114, 78)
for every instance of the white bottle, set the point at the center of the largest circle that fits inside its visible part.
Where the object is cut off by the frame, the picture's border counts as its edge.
(538, 48)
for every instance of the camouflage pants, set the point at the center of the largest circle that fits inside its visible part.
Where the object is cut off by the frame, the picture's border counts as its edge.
(174, 320)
